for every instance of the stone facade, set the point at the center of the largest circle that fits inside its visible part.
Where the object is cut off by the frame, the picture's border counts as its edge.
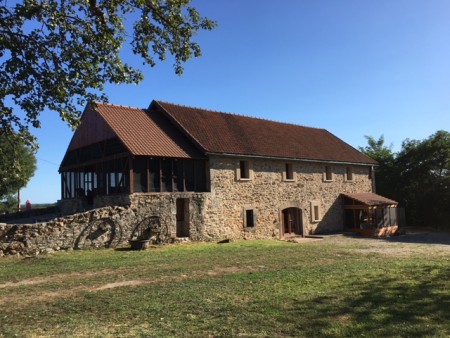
(222, 213)
(268, 193)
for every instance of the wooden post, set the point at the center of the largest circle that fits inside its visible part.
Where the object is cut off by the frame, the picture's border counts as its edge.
(18, 200)
(130, 165)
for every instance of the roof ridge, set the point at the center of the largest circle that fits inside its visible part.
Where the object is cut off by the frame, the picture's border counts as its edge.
(240, 115)
(116, 105)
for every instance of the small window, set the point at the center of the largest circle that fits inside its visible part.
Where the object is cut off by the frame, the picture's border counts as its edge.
(244, 171)
(328, 175)
(289, 172)
(370, 173)
(249, 217)
(349, 174)
(315, 211)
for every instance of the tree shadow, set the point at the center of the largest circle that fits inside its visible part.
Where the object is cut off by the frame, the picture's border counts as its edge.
(381, 307)
(421, 237)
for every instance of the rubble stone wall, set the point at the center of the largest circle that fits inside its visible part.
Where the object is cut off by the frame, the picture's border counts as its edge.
(109, 226)
(214, 215)
(267, 192)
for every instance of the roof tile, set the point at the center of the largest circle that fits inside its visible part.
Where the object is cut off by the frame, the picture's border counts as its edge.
(370, 199)
(146, 134)
(226, 133)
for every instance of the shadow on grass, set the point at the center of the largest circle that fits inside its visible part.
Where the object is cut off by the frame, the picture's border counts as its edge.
(422, 237)
(124, 249)
(381, 307)
(442, 238)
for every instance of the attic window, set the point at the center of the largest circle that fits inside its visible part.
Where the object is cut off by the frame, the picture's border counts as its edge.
(328, 174)
(243, 172)
(349, 174)
(288, 174)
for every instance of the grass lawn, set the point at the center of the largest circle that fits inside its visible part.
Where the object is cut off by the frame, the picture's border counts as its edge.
(339, 286)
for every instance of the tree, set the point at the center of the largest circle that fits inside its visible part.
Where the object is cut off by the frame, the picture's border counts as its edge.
(17, 165)
(377, 150)
(418, 177)
(423, 179)
(8, 203)
(59, 54)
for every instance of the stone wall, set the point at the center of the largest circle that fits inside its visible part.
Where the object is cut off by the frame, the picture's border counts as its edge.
(215, 215)
(267, 192)
(152, 216)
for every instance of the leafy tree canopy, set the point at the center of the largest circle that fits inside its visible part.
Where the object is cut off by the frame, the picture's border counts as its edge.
(17, 164)
(418, 177)
(59, 54)
(8, 203)
(383, 154)
(377, 150)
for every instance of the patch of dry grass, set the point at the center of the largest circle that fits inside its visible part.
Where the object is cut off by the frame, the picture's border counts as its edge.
(336, 287)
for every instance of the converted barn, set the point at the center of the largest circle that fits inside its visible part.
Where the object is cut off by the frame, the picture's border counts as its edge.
(209, 174)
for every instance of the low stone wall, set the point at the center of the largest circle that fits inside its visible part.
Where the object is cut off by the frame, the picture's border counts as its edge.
(148, 216)
(106, 227)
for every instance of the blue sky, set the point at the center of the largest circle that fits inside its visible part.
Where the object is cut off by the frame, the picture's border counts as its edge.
(353, 67)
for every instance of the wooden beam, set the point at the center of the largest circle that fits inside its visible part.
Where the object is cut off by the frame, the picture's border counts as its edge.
(97, 161)
(131, 173)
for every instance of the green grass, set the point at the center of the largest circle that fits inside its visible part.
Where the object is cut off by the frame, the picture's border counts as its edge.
(333, 288)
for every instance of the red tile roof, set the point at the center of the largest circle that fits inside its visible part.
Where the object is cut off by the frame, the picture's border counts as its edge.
(224, 133)
(140, 133)
(170, 130)
(370, 199)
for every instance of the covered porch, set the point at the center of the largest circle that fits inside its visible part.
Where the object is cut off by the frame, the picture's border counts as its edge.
(370, 214)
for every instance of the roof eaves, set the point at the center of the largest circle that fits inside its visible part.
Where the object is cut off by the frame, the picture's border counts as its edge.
(289, 159)
(376, 200)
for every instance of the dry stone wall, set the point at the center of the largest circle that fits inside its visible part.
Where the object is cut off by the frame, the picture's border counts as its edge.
(152, 215)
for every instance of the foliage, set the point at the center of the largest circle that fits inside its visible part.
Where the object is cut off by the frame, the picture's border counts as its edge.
(377, 150)
(60, 54)
(17, 164)
(9, 203)
(423, 179)
(418, 177)
(338, 287)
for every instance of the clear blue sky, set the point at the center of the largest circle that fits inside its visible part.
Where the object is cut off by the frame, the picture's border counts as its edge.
(353, 67)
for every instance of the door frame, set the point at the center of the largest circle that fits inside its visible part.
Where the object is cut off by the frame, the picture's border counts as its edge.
(298, 219)
(182, 217)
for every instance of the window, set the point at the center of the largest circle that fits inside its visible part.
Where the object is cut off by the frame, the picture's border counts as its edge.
(288, 174)
(328, 175)
(349, 174)
(370, 173)
(315, 211)
(249, 217)
(244, 171)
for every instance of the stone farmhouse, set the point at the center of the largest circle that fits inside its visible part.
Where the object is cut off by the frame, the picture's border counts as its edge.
(210, 175)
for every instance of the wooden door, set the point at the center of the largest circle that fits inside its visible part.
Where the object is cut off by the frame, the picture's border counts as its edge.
(182, 217)
(292, 221)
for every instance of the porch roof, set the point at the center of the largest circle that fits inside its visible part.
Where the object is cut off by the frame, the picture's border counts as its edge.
(369, 199)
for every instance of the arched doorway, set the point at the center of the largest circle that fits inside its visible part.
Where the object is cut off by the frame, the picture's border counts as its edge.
(292, 222)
